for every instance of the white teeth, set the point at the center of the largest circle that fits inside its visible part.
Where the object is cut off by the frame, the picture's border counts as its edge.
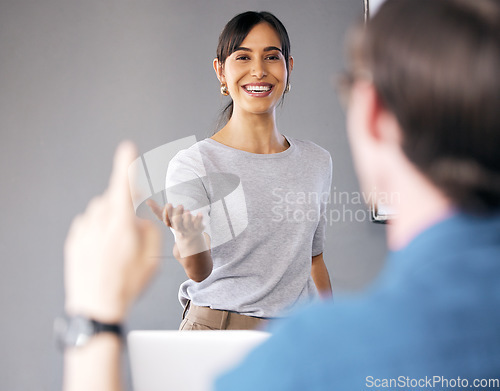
(258, 88)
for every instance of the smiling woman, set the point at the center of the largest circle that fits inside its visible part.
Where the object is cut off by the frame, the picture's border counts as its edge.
(237, 30)
(255, 69)
(267, 266)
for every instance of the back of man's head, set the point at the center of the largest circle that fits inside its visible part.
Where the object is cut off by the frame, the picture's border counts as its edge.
(435, 65)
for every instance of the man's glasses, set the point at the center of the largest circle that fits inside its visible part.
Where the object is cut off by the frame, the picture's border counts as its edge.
(345, 81)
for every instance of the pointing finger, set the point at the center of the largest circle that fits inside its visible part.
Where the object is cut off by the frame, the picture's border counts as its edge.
(119, 188)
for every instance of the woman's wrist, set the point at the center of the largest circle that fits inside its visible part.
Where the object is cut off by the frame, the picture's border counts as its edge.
(188, 245)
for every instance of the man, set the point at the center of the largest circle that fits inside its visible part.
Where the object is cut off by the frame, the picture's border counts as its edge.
(423, 121)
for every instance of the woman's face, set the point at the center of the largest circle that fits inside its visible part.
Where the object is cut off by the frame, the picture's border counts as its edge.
(255, 73)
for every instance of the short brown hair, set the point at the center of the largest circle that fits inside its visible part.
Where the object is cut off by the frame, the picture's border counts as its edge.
(435, 65)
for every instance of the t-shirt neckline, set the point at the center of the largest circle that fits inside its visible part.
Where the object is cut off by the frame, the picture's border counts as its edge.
(276, 155)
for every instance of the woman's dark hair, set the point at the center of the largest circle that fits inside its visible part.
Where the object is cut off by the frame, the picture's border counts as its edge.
(234, 34)
(435, 65)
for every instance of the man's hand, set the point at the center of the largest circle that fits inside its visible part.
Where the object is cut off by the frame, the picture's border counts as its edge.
(110, 254)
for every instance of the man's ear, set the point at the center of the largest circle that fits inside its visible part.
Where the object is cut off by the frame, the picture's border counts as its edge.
(219, 70)
(387, 125)
(380, 124)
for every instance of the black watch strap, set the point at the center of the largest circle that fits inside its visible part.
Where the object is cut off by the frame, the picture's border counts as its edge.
(100, 327)
(78, 330)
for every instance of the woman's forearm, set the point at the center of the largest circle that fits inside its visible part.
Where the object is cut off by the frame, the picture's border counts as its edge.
(194, 255)
(320, 276)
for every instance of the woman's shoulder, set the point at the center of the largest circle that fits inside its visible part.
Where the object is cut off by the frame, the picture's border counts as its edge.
(193, 151)
(189, 157)
(308, 147)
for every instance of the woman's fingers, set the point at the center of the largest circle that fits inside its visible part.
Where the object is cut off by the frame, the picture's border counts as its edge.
(198, 222)
(186, 220)
(155, 208)
(167, 213)
(164, 214)
(176, 218)
(192, 224)
(182, 220)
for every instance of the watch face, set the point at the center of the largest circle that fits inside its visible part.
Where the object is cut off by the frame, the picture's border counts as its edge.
(79, 332)
(75, 331)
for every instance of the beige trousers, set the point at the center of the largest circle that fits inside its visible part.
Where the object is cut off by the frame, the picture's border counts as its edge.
(205, 318)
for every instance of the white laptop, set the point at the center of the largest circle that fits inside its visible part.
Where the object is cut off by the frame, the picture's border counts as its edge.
(186, 360)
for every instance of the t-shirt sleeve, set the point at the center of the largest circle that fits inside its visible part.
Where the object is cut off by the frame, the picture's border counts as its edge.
(185, 184)
(318, 244)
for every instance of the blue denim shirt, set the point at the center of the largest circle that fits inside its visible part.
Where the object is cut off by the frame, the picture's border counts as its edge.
(431, 321)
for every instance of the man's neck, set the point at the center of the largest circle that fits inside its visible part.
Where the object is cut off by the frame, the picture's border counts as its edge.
(422, 205)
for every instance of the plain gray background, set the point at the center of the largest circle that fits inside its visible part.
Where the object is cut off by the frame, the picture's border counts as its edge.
(76, 77)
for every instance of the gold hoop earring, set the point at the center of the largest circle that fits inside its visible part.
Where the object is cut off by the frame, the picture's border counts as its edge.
(288, 88)
(223, 90)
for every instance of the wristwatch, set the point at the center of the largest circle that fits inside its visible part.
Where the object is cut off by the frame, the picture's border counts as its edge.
(77, 331)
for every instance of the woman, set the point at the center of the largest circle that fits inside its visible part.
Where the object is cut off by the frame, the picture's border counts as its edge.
(255, 247)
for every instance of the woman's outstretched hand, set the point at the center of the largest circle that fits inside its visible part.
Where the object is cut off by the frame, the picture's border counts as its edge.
(192, 246)
(185, 224)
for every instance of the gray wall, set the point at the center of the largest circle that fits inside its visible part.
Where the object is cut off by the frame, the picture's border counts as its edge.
(76, 77)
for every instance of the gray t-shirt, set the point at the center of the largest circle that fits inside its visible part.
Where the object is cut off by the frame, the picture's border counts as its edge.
(265, 215)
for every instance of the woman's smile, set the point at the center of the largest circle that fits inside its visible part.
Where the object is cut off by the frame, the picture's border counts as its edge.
(258, 90)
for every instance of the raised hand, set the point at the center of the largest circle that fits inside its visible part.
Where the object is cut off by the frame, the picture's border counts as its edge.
(110, 254)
